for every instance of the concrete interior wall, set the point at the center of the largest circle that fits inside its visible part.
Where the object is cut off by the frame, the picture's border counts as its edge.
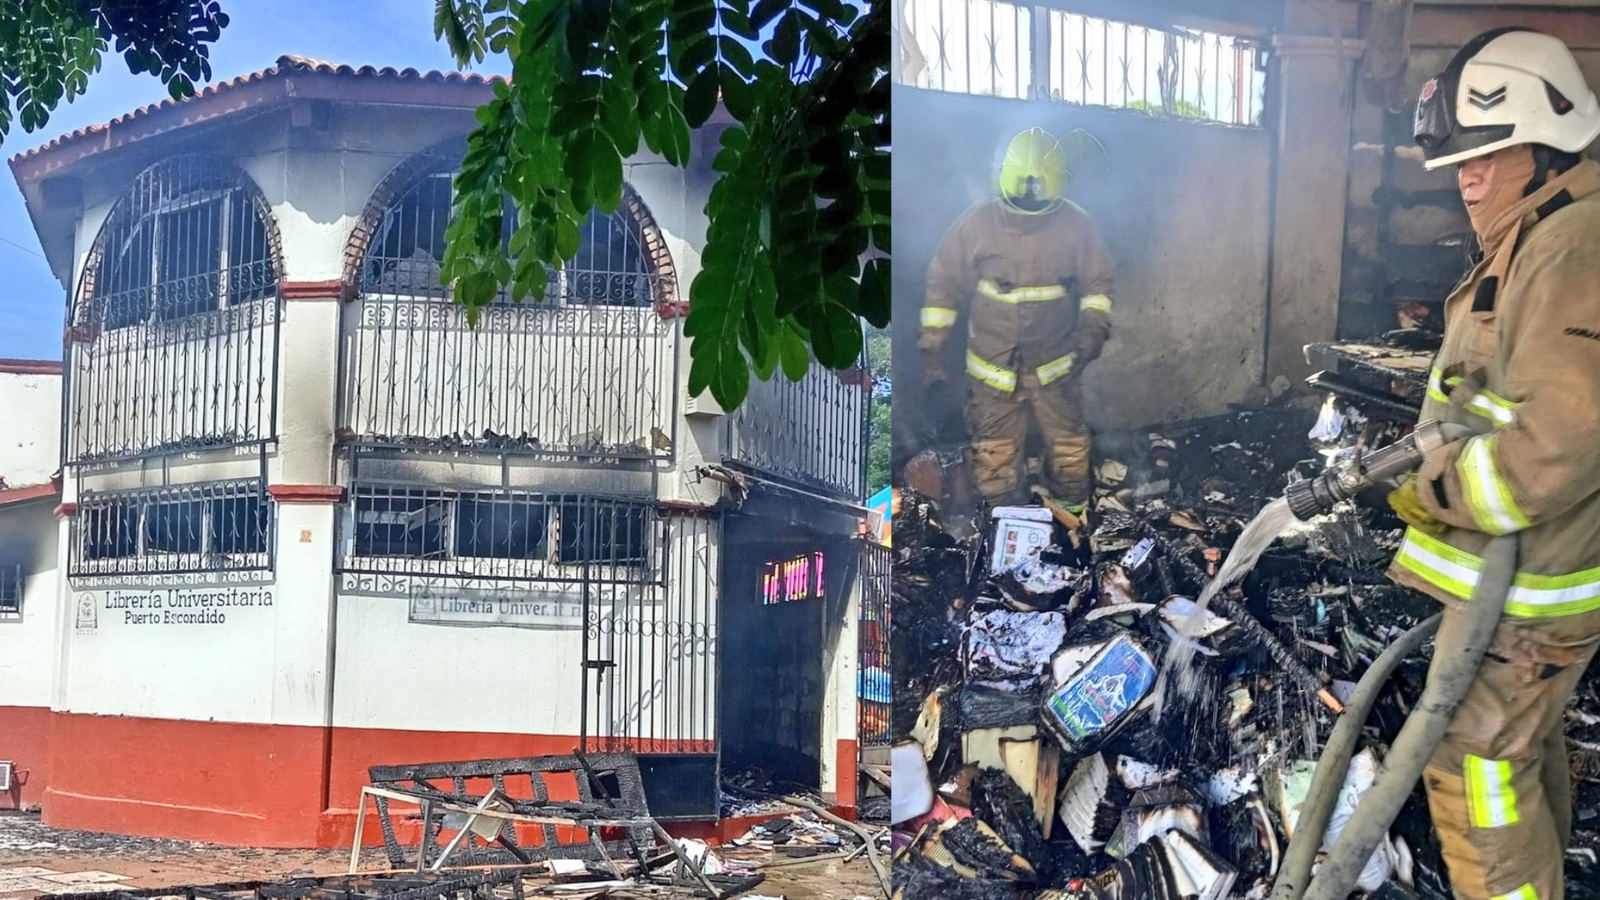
(1407, 234)
(1183, 211)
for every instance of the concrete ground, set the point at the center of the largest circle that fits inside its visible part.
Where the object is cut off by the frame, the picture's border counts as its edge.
(38, 861)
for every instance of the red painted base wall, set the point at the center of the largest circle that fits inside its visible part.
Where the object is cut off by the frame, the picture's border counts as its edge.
(25, 741)
(241, 784)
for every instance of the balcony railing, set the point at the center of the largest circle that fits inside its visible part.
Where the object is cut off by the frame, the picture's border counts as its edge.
(813, 431)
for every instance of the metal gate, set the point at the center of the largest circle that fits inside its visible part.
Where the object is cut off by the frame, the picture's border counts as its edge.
(872, 639)
(650, 667)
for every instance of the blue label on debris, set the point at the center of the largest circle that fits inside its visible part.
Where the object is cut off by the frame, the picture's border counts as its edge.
(1112, 683)
(875, 685)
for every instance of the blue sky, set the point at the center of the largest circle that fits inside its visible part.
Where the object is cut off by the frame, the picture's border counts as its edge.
(378, 32)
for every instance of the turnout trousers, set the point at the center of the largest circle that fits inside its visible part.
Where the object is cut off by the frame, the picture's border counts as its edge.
(1499, 784)
(998, 424)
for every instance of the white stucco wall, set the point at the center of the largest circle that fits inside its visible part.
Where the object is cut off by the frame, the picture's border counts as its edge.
(28, 640)
(31, 438)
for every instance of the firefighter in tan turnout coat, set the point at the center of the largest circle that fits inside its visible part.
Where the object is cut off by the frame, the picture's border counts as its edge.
(1520, 363)
(1034, 277)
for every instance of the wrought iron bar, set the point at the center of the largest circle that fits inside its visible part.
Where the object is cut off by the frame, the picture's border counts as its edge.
(873, 641)
(811, 431)
(1186, 83)
(173, 334)
(206, 527)
(585, 369)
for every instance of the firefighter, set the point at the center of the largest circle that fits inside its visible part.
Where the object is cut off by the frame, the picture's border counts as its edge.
(1520, 363)
(1034, 277)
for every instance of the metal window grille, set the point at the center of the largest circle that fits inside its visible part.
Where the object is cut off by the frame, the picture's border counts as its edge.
(639, 580)
(10, 589)
(811, 431)
(500, 535)
(872, 728)
(1001, 49)
(586, 370)
(209, 527)
(174, 332)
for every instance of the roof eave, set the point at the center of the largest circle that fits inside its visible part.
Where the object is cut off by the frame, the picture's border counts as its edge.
(252, 95)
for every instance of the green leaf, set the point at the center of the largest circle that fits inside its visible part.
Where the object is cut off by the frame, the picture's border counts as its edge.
(738, 95)
(784, 47)
(795, 351)
(701, 98)
(696, 55)
(737, 57)
(736, 22)
(835, 334)
(767, 10)
(583, 156)
(833, 10)
(568, 237)
(875, 293)
(731, 379)
(675, 136)
(619, 115)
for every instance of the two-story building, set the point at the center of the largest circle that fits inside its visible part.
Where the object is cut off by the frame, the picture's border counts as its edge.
(313, 520)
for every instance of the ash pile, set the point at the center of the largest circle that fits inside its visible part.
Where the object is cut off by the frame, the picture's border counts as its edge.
(1036, 756)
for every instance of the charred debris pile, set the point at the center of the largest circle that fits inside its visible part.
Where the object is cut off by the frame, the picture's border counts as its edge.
(1033, 759)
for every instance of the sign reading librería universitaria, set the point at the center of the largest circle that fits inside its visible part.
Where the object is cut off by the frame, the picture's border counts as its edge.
(176, 607)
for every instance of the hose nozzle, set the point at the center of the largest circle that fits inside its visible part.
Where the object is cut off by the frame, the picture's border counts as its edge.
(1319, 495)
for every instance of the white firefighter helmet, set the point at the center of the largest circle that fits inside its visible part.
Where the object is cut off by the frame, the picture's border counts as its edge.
(1505, 87)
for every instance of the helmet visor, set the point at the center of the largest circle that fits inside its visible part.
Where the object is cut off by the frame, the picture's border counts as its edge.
(1436, 119)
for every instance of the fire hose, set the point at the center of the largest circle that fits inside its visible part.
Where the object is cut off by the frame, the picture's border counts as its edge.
(1458, 655)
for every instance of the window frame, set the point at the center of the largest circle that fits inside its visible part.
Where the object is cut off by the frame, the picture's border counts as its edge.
(558, 292)
(550, 550)
(134, 509)
(13, 589)
(154, 222)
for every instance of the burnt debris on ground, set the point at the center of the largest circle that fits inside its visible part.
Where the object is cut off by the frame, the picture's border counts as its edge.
(1030, 760)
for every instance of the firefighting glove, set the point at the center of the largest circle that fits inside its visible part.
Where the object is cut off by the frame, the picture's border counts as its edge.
(1408, 506)
(1088, 344)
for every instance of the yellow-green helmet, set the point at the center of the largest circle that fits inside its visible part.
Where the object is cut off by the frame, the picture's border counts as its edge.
(1033, 176)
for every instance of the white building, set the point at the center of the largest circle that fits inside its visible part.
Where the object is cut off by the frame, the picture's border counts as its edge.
(311, 521)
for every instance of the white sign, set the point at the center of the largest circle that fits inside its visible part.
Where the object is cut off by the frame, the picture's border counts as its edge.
(88, 618)
(551, 609)
(177, 607)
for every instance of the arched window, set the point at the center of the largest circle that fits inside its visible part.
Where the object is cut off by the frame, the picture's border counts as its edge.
(175, 323)
(613, 266)
(586, 369)
(187, 239)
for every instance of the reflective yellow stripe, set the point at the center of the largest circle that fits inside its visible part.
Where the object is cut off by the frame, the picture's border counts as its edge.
(1098, 302)
(1022, 294)
(1435, 391)
(1491, 800)
(1488, 493)
(937, 317)
(990, 374)
(1439, 564)
(1059, 367)
(1526, 892)
(1437, 384)
(1497, 409)
(1532, 596)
